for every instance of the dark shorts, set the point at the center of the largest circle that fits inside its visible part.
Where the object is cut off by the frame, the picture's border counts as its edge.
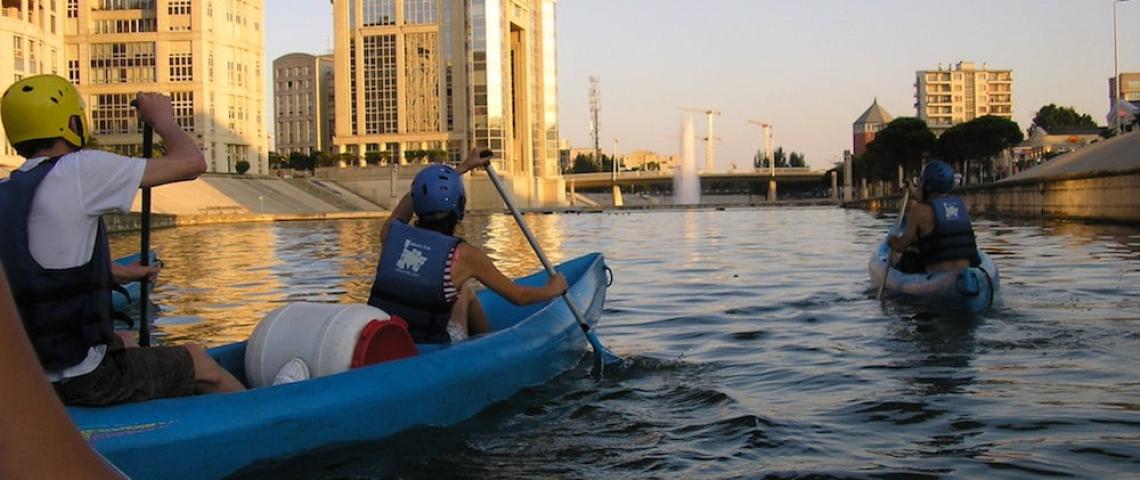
(131, 375)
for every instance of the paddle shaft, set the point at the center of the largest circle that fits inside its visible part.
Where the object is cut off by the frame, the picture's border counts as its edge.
(144, 255)
(890, 252)
(533, 243)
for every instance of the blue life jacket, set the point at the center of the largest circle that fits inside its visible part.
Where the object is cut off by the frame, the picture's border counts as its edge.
(409, 280)
(65, 311)
(953, 235)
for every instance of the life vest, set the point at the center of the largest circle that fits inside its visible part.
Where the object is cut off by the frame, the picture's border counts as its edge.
(65, 311)
(409, 280)
(953, 235)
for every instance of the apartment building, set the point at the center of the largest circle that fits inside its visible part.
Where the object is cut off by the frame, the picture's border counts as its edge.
(303, 103)
(31, 42)
(962, 92)
(421, 75)
(206, 54)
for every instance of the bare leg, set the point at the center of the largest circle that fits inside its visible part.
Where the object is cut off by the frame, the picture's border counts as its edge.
(128, 339)
(476, 318)
(210, 377)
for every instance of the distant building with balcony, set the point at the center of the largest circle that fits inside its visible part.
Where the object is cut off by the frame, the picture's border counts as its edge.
(422, 75)
(303, 103)
(32, 31)
(207, 56)
(948, 96)
(868, 125)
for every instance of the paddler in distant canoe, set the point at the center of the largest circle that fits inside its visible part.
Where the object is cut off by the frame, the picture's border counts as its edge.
(940, 224)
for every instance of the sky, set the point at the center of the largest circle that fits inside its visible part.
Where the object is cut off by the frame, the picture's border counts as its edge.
(808, 68)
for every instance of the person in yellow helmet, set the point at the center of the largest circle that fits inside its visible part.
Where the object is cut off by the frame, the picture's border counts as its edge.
(55, 251)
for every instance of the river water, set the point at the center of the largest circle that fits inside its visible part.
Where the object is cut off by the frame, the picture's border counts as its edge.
(757, 350)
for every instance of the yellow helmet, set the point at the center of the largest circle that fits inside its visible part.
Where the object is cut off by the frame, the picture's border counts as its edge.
(41, 107)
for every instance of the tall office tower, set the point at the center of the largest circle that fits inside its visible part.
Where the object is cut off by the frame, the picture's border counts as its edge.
(206, 54)
(303, 105)
(960, 93)
(427, 76)
(868, 125)
(32, 31)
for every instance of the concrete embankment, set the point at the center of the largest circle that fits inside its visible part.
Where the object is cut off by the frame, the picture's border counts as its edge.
(215, 199)
(1099, 183)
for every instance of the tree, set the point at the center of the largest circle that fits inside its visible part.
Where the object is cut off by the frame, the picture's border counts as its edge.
(779, 157)
(348, 158)
(299, 161)
(1051, 116)
(797, 160)
(584, 164)
(276, 161)
(979, 139)
(759, 160)
(905, 141)
(322, 159)
(241, 167)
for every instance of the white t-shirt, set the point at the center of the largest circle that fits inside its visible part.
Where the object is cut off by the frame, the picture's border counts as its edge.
(65, 214)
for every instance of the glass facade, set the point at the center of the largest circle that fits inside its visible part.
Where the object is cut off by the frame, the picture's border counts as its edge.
(380, 97)
(378, 12)
(128, 62)
(421, 69)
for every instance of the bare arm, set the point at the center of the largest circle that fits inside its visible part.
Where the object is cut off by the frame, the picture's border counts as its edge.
(480, 266)
(918, 215)
(37, 438)
(183, 160)
(402, 212)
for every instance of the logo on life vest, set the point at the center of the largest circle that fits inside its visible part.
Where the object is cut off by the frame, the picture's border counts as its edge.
(411, 258)
(951, 211)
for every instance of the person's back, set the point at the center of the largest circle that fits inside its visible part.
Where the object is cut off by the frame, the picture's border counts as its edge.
(939, 223)
(57, 255)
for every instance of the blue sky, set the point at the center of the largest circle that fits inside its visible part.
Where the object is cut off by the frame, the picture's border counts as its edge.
(809, 68)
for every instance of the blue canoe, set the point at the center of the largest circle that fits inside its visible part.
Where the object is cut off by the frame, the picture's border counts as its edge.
(212, 436)
(973, 289)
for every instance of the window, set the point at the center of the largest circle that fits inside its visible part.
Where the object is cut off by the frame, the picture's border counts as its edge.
(178, 7)
(126, 26)
(18, 51)
(72, 8)
(130, 62)
(73, 71)
(183, 103)
(181, 67)
(113, 114)
(419, 11)
(125, 4)
(379, 12)
(380, 84)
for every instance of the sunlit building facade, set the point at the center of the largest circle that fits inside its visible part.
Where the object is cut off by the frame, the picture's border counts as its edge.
(206, 54)
(303, 103)
(424, 75)
(962, 92)
(31, 43)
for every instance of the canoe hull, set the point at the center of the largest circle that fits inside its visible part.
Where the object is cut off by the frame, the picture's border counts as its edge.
(214, 435)
(939, 290)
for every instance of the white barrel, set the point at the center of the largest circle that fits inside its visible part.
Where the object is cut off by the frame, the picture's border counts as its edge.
(321, 335)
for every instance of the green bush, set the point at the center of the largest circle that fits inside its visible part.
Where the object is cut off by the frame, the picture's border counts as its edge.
(241, 166)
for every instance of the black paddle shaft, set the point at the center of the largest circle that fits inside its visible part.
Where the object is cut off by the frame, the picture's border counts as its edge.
(144, 256)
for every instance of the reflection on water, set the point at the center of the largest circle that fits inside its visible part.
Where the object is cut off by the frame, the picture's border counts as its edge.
(756, 350)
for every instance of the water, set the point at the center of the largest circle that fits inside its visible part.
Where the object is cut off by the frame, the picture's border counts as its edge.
(757, 350)
(686, 180)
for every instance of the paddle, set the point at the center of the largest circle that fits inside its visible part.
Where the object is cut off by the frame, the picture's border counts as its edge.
(602, 356)
(144, 256)
(890, 252)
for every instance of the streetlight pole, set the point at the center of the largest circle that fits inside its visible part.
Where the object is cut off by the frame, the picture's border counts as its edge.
(1116, 69)
(615, 160)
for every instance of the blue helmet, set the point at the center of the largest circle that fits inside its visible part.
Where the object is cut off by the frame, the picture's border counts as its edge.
(937, 177)
(438, 189)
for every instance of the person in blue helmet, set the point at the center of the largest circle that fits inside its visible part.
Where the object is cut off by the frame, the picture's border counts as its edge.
(424, 271)
(940, 223)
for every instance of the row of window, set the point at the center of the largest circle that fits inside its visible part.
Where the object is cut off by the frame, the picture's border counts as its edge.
(383, 12)
(28, 56)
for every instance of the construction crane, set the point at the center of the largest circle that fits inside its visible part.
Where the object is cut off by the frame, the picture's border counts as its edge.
(711, 139)
(767, 143)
